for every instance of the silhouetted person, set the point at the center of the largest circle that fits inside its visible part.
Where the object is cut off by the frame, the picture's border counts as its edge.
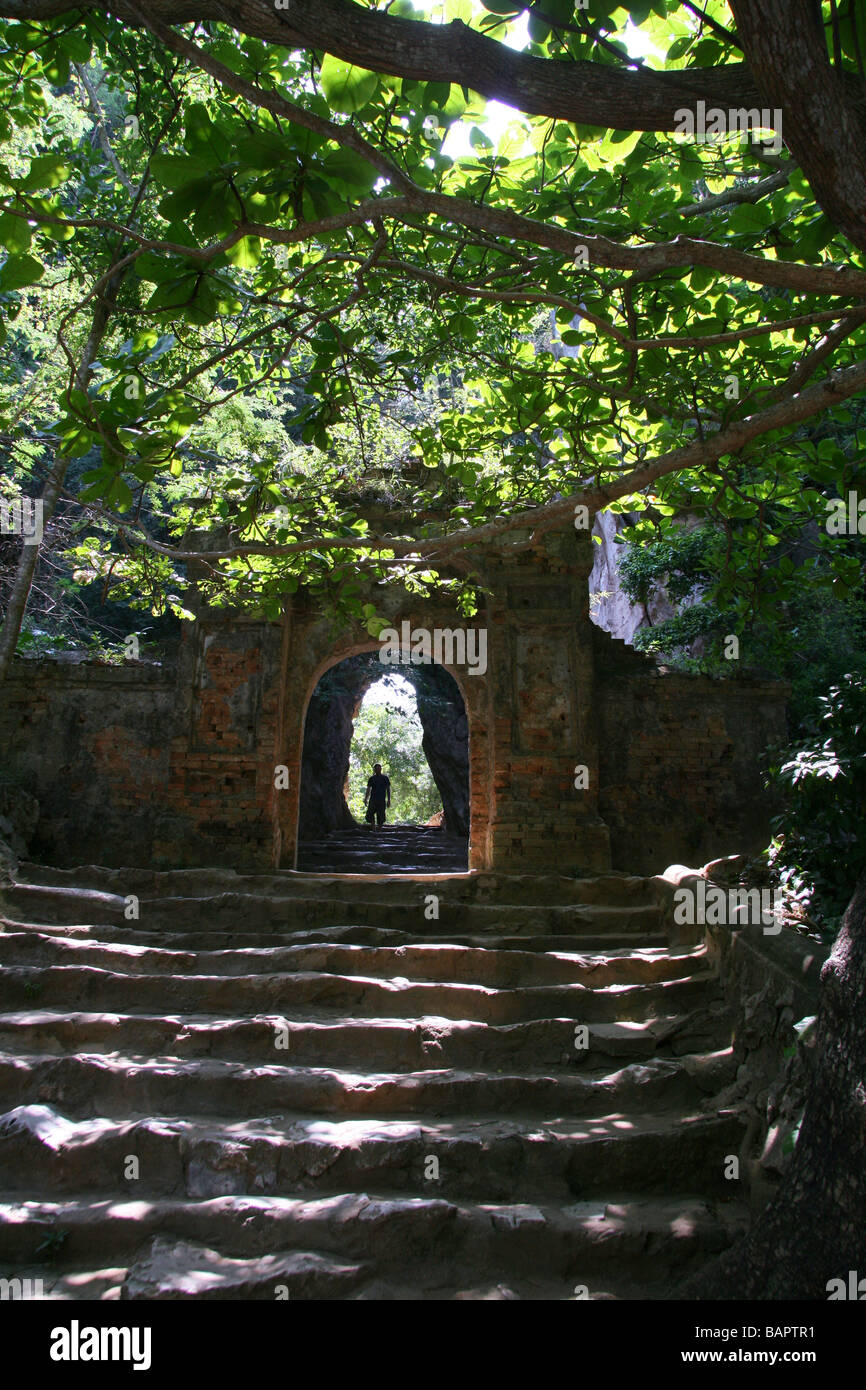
(377, 797)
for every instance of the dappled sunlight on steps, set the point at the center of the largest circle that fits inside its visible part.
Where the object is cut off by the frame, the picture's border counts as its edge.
(306, 1086)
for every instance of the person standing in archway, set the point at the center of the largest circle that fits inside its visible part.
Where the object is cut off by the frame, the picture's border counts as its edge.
(377, 797)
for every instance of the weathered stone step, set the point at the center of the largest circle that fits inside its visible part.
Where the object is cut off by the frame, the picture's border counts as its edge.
(412, 1044)
(478, 887)
(394, 998)
(179, 1270)
(642, 1239)
(240, 911)
(588, 943)
(394, 850)
(41, 1152)
(117, 1087)
(421, 962)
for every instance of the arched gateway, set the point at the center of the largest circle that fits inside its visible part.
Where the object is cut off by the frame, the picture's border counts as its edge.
(330, 837)
(526, 686)
(582, 755)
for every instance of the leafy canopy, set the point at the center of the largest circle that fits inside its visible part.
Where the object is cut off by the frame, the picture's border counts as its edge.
(632, 317)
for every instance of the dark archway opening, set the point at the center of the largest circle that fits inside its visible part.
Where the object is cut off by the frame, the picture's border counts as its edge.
(331, 839)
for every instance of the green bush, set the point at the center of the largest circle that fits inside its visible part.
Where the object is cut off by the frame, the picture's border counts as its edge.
(819, 849)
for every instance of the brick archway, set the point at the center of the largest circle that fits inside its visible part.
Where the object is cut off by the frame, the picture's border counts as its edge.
(303, 650)
(329, 731)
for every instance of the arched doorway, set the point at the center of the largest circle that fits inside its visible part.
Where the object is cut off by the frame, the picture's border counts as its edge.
(332, 834)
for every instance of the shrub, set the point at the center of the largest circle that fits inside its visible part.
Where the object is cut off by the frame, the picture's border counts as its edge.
(819, 849)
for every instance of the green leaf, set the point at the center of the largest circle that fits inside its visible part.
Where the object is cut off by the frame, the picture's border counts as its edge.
(749, 218)
(478, 140)
(701, 277)
(264, 150)
(217, 214)
(346, 87)
(46, 171)
(246, 253)
(179, 205)
(349, 168)
(204, 138)
(15, 235)
(19, 271)
(57, 70)
(176, 170)
(119, 495)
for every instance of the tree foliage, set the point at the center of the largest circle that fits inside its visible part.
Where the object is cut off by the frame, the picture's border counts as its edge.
(820, 842)
(203, 218)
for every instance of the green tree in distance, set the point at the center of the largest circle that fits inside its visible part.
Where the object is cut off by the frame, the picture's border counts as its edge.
(388, 731)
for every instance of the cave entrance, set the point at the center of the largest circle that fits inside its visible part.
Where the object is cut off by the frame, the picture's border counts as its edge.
(412, 720)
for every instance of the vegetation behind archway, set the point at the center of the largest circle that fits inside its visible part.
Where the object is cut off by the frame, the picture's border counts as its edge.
(388, 730)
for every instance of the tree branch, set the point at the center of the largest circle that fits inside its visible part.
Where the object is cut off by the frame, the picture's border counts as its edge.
(838, 387)
(586, 92)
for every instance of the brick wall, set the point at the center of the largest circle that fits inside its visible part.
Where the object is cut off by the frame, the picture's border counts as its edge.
(91, 743)
(175, 767)
(680, 766)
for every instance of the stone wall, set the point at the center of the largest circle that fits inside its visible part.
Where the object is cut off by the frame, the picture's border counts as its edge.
(771, 984)
(91, 743)
(219, 802)
(582, 757)
(681, 760)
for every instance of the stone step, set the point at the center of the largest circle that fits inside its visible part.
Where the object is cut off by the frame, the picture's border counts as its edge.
(411, 1044)
(643, 1240)
(421, 962)
(435, 1125)
(179, 1270)
(117, 1087)
(43, 1154)
(590, 944)
(528, 890)
(385, 852)
(242, 911)
(368, 996)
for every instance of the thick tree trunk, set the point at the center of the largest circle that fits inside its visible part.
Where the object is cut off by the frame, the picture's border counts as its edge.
(814, 1229)
(822, 110)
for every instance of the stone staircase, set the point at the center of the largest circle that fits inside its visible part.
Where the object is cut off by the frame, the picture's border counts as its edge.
(387, 849)
(303, 1086)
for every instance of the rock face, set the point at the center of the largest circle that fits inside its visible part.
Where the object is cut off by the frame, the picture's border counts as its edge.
(446, 740)
(328, 737)
(610, 606)
(328, 1095)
